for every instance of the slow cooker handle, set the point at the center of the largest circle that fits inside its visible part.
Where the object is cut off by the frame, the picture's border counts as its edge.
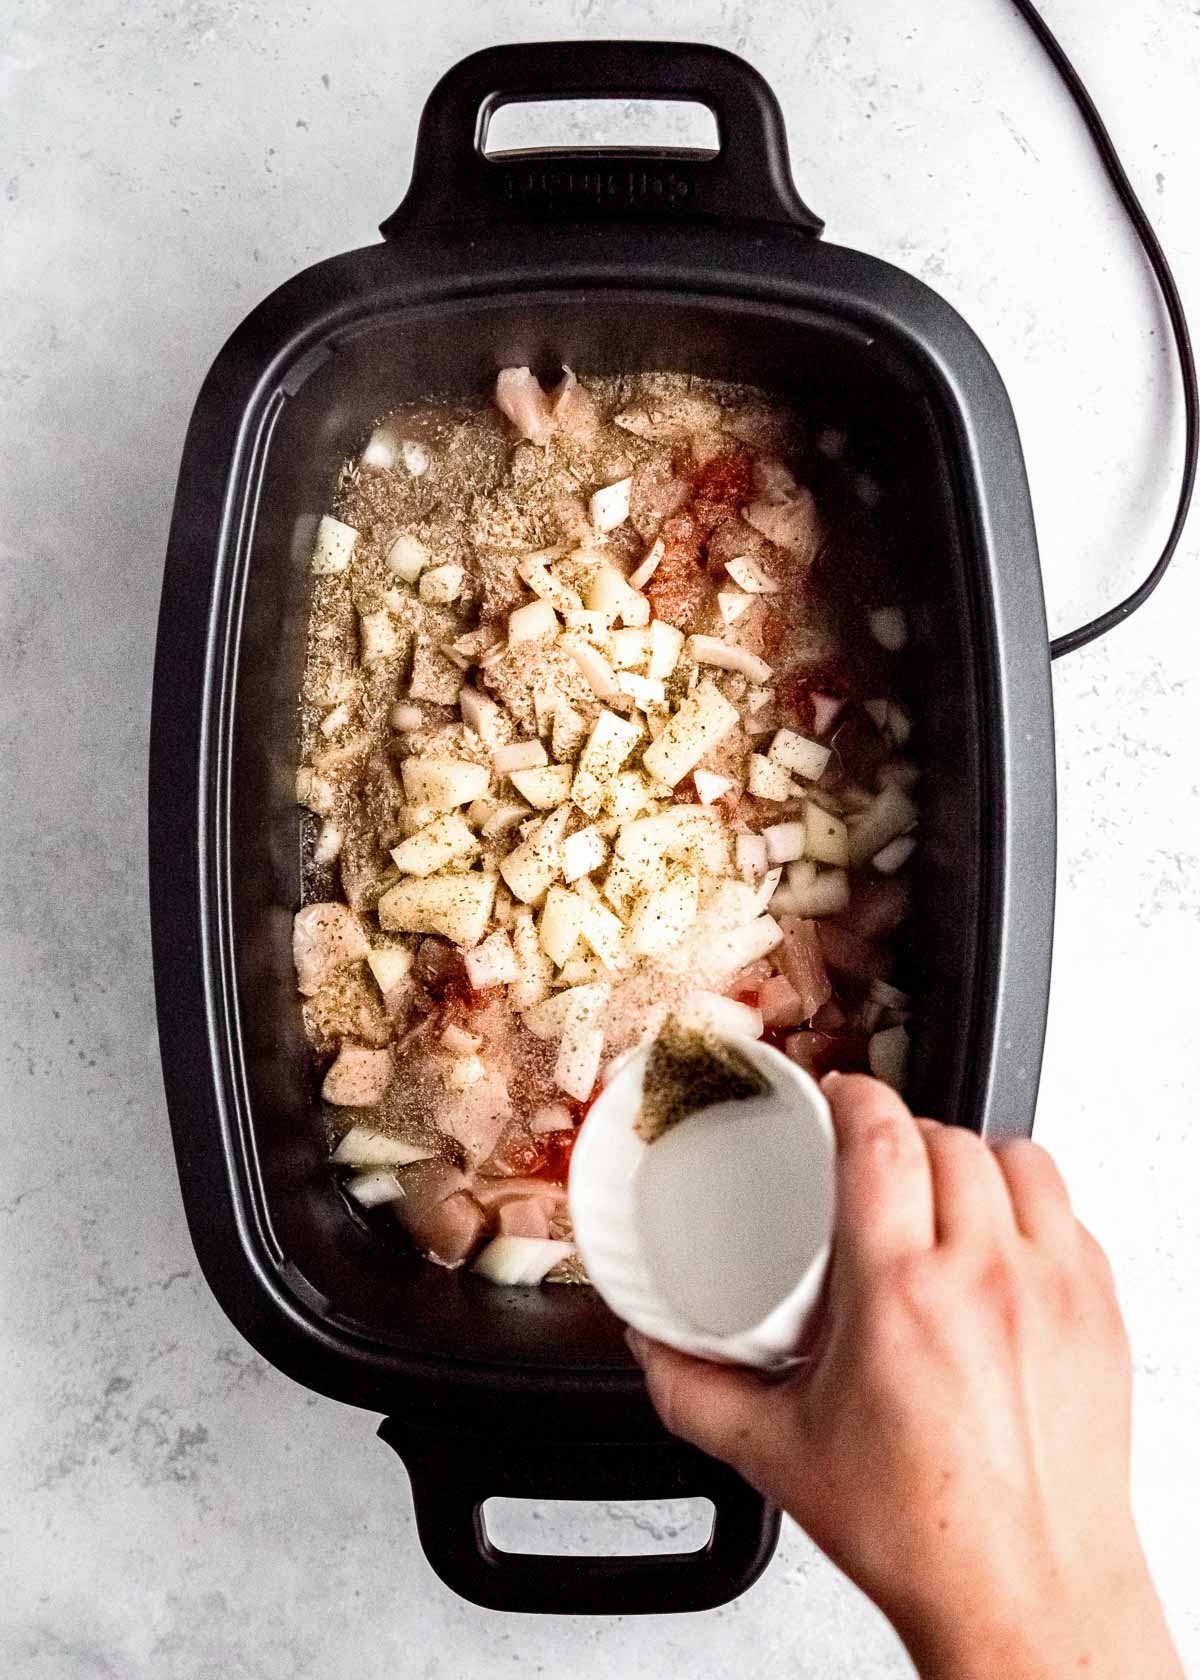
(453, 1473)
(746, 178)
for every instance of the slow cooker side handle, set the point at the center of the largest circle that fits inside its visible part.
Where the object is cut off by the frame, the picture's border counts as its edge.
(453, 1473)
(748, 177)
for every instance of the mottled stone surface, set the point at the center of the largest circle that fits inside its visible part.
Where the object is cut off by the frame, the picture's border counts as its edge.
(171, 1508)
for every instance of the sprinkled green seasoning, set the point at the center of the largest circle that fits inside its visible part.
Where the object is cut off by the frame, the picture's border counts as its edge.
(689, 1070)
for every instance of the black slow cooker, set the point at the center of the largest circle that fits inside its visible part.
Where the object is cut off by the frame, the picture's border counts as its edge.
(606, 261)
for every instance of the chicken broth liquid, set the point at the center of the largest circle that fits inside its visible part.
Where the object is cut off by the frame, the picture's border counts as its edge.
(598, 723)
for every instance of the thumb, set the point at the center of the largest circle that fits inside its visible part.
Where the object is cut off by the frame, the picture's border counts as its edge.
(728, 1412)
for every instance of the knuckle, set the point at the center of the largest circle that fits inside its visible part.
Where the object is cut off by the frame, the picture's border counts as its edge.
(916, 1289)
(997, 1284)
(886, 1142)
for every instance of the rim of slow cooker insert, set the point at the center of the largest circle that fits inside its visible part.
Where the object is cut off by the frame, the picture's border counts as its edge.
(283, 375)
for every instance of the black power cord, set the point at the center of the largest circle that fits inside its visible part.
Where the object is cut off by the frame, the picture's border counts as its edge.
(1155, 256)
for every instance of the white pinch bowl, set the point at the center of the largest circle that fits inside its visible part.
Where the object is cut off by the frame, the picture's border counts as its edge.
(715, 1238)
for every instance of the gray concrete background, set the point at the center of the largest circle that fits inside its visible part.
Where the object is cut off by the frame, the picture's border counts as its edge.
(172, 1508)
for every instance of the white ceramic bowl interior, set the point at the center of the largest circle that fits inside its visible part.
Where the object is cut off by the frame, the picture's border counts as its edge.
(715, 1238)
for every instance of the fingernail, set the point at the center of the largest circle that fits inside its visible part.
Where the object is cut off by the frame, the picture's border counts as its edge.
(636, 1345)
(830, 1080)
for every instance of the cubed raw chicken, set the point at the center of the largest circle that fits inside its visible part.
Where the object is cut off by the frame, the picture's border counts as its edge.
(448, 1232)
(527, 1217)
(325, 938)
(845, 953)
(590, 742)
(521, 399)
(358, 1077)
(475, 1117)
(800, 958)
(793, 525)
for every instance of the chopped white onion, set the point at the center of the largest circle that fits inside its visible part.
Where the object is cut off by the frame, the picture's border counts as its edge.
(492, 963)
(582, 853)
(333, 547)
(543, 582)
(751, 853)
(825, 711)
(379, 637)
(522, 1261)
(890, 813)
(749, 575)
(831, 443)
(551, 1117)
(407, 558)
(730, 952)
(629, 649)
(733, 604)
(380, 450)
(391, 966)
(827, 893)
(765, 891)
(439, 585)
(785, 841)
(877, 711)
(899, 724)
(894, 855)
(703, 719)
(666, 644)
(595, 669)
(414, 456)
(713, 1012)
(891, 997)
(362, 1147)
(404, 717)
(768, 780)
(532, 623)
(710, 787)
(503, 818)
(609, 507)
(889, 627)
(640, 577)
(868, 491)
(460, 1042)
(374, 1189)
(828, 839)
(799, 755)
(519, 755)
(887, 1055)
(643, 691)
(328, 843)
(784, 902)
(710, 650)
(577, 1065)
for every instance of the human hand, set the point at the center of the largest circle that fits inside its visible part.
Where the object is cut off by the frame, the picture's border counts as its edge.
(957, 1440)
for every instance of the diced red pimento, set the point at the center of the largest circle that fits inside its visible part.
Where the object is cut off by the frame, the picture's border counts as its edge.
(556, 1149)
